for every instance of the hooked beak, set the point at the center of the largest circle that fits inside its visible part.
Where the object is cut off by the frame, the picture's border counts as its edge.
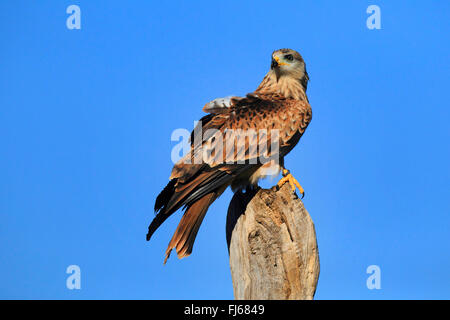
(276, 62)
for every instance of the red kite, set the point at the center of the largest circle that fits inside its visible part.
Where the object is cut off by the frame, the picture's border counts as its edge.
(277, 110)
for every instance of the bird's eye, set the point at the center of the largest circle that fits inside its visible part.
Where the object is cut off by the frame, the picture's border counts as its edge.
(289, 57)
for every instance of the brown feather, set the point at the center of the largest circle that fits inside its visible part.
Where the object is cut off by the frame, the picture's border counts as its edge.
(184, 236)
(280, 103)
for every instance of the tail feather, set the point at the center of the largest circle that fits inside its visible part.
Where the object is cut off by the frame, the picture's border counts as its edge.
(161, 207)
(165, 195)
(168, 201)
(196, 196)
(184, 236)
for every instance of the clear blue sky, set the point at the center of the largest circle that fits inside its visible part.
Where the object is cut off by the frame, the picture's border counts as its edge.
(86, 117)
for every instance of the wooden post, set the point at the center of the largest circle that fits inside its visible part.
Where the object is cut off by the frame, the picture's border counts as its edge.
(272, 245)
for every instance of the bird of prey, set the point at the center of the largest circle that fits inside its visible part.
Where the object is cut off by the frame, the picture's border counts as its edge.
(280, 105)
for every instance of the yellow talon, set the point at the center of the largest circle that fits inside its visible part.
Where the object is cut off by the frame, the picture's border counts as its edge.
(288, 177)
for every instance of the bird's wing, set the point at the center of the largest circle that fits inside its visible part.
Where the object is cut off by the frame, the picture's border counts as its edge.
(219, 105)
(197, 180)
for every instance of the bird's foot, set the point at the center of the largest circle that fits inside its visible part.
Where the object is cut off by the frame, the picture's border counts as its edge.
(288, 177)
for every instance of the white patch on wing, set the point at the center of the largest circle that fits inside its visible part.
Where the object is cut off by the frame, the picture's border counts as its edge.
(216, 105)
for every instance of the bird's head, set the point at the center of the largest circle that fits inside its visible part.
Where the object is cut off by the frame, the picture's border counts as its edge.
(289, 63)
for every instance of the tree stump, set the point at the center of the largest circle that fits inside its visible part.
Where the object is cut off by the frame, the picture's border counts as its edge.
(272, 246)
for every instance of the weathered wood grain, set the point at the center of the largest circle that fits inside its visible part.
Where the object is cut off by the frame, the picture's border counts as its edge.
(272, 245)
